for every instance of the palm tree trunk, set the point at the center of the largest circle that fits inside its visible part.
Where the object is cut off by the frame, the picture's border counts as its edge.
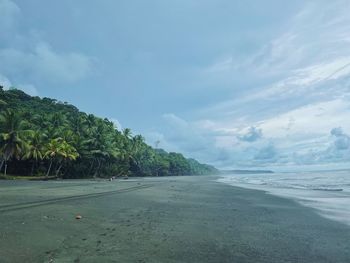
(91, 166)
(1, 165)
(48, 171)
(32, 170)
(58, 170)
(5, 168)
(97, 172)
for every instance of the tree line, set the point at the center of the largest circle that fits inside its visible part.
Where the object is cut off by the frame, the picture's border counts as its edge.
(46, 137)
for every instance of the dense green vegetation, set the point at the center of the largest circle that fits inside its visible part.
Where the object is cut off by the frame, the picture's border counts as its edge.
(45, 137)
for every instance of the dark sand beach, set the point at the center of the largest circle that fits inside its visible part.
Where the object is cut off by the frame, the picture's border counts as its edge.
(177, 219)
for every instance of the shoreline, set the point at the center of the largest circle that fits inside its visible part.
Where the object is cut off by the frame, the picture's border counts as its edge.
(328, 201)
(173, 219)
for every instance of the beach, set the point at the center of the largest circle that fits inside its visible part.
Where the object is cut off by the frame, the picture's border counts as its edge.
(169, 219)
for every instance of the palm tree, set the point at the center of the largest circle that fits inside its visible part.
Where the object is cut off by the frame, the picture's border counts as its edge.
(40, 120)
(3, 104)
(80, 144)
(78, 124)
(127, 133)
(35, 149)
(102, 145)
(67, 153)
(58, 120)
(139, 153)
(61, 151)
(12, 131)
(90, 124)
(68, 136)
(52, 151)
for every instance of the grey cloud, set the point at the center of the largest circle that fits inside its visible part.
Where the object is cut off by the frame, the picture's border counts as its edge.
(342, 140)
(342, 143)
(337, 151)
(337, 132)
(201, 142)
(253, 134)
(266, 153)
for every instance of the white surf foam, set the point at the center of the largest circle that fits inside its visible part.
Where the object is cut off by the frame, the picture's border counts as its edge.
(328, 192)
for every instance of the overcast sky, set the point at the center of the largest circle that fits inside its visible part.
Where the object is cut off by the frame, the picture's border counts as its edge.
(236, 84)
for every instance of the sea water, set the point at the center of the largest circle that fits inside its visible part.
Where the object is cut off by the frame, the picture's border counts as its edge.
(327, 192)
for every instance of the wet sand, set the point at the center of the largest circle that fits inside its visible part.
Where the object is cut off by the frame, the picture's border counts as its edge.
(177, 219)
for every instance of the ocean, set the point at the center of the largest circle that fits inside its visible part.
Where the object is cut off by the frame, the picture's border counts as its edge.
(328, 191)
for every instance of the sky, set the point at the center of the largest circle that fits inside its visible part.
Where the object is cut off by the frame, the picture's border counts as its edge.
(236, 84)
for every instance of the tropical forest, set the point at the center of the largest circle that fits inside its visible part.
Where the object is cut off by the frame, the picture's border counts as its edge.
(46, 138)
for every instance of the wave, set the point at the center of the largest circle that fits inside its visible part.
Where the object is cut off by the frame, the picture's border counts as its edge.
(328, 192)
(328, 189)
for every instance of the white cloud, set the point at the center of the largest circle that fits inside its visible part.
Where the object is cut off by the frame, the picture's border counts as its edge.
(302, 93)
(313, 119)
(310, 59)
(337, 152)
(251, 135)
(208, 142)
(29, 89)
(184, 135)
(175, 120)
(43, 63)
(62, 66)
(5, 82)
(158, 140)
(306, 80)
(32, 60)
(300, 136)
(317, 34)
(117, 124)
(9, 12)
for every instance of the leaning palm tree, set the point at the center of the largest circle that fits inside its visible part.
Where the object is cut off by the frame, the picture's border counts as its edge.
(60, 151)
(52, 151)
(12, 143)
(67, 153)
